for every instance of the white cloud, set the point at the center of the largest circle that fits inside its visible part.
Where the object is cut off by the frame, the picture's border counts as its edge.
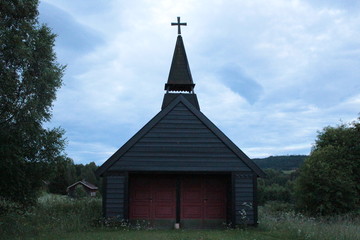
(301, 58)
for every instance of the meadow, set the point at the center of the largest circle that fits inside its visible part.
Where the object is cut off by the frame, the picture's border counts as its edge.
(58, 217)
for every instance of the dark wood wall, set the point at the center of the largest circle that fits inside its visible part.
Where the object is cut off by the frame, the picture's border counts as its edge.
(244, 198)
(179, 142)
(114, 199)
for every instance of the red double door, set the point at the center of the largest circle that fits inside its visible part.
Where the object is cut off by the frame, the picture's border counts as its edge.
(189, 197)
(152, 197)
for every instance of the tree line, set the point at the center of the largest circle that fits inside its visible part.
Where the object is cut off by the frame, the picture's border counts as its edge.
(66, 173)
(287, 162)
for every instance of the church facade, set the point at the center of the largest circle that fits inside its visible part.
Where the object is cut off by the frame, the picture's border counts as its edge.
(180, 170)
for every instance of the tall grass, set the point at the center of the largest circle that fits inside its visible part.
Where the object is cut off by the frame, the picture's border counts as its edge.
(53, 213)
(345, 227)
(57, 217)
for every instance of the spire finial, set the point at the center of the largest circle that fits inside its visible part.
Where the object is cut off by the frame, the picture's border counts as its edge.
(178, 24)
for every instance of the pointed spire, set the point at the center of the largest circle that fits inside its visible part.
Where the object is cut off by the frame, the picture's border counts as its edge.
(180, 78)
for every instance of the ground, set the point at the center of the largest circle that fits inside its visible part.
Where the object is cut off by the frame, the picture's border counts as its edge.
(249, 234)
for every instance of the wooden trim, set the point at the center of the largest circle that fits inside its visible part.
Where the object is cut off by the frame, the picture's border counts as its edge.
(126, 196)
(233, 200)
(255, 200)
(178, 199)
(104, 196)
(229, 199)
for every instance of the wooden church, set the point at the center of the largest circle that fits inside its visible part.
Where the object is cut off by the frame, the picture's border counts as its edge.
(180, 170)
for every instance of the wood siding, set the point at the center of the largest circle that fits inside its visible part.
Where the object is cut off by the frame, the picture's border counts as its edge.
(114, 199)
(245, 205)
(179, 142)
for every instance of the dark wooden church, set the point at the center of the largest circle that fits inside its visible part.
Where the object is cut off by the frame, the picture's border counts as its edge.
(180, 170)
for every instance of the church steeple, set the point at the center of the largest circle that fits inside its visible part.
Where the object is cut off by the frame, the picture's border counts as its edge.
(180, 79)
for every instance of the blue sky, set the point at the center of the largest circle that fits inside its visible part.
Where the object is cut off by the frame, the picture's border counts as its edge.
(268, 73)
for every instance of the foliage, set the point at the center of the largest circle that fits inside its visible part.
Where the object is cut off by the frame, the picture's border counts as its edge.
(53, 214)
(60, 217)
(87, 172)
(65, 173)
(276, 186)
(289, 162)
(329, 179)
(345, 227)
(29, 79)
(80, 192)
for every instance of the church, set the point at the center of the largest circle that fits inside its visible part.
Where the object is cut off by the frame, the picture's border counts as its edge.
(180, 170)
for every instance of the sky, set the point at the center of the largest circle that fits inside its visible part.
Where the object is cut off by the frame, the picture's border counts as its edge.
(270, 74)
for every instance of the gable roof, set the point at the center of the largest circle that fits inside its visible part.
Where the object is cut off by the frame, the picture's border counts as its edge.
(180, 78)
(84, 183)
(129, 148)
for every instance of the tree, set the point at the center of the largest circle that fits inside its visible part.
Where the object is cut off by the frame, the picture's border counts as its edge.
(29, 79)
(88, 173)
(64, 174)
(329, 179)
(276, 186)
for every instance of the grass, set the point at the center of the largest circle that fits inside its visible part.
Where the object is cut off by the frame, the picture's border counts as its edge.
(58, 217)
(53, 213)
(249, 234)
(345, 227)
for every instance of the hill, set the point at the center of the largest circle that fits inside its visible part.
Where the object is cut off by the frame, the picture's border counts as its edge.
(288, 162)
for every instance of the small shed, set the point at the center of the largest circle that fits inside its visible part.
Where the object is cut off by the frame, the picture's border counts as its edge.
(89, 188)
(180, 170)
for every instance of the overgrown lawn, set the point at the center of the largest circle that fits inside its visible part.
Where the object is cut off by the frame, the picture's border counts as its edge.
(248, 234)
(59, 217)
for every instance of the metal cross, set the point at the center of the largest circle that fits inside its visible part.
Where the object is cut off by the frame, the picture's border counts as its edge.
(178, 24)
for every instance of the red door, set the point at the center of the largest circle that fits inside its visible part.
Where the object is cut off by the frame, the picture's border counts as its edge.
(203, 197)
(152, 197)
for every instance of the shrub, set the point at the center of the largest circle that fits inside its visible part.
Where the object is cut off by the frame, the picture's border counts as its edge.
(329, 178)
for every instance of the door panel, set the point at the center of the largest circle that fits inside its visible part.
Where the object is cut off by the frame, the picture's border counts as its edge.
(203, 197)
(152, 197)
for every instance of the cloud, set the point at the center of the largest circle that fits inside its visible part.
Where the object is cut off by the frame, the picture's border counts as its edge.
(268, 73)
(74, 38)
(233, 77)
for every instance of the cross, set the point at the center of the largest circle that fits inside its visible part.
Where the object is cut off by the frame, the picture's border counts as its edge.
(178, 24)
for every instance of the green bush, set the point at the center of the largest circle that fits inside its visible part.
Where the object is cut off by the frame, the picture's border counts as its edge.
(328, 183)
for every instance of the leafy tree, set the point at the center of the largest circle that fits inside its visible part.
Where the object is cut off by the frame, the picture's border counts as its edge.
(329, 179)
(64, 175)
(276, 186)
(29, 79)
(88, 173)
